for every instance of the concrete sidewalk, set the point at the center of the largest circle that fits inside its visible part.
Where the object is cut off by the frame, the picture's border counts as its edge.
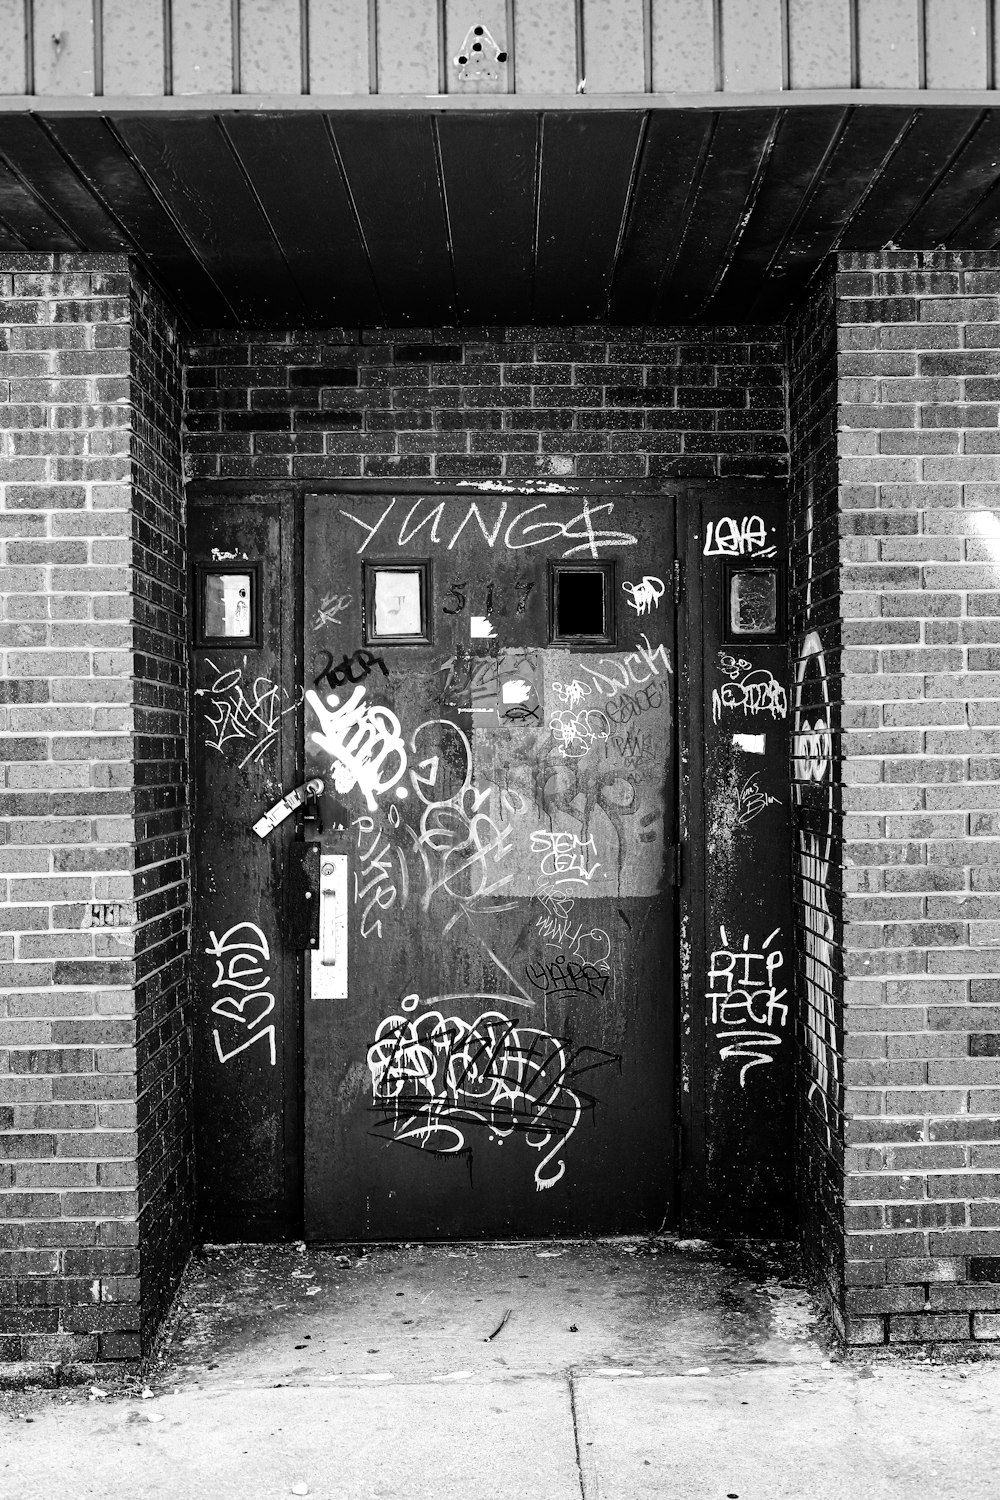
(589, 1371)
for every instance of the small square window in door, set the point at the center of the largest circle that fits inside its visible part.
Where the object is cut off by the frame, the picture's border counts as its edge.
(227, 604)
(753, 604)
(582, 604)
(397, 603)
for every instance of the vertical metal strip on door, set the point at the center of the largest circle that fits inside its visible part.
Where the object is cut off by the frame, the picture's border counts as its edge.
(244, 997)
(739, 1018)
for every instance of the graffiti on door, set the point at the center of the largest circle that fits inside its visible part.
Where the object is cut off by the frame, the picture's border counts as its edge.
(514, 528)
(434, 1078)
(645, 595)
(745, 536)
(749, 690)
(747, 1010)
(242, 989)
(243, 718)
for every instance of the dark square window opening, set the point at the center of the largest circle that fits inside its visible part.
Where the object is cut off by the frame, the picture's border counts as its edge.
(582, 604)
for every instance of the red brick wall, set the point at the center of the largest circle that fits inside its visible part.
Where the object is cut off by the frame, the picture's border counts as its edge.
(516, 402)
(919, 688)
(92, 955)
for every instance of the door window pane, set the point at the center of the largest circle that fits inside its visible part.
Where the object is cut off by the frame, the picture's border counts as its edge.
(753, 601)
(397, 603)
(227, 604)
(582, 602)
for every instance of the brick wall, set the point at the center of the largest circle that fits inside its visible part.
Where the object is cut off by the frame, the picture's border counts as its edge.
(919, 502)
(162, 862)
(815, 633)
(516, 402)
(91, 849)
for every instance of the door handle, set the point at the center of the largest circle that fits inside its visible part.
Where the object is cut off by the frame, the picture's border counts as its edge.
(329, 960)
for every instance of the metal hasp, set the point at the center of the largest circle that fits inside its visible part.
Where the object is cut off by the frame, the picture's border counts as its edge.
(329, 961)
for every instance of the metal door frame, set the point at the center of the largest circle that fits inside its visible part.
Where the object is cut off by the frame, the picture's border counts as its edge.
(690, 1041)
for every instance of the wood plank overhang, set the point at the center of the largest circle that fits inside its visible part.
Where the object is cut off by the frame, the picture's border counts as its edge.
(430, 217)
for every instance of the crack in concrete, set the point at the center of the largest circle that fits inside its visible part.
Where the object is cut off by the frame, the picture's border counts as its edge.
(585, 1467)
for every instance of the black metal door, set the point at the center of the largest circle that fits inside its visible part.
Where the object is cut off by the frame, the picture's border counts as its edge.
(244, 989)
(490, 1013)
(738, 1008)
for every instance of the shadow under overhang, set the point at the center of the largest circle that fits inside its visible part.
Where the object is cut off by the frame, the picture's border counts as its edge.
(430, 217)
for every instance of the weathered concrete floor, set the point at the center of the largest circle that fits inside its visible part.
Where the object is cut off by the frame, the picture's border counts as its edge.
(616, 1371)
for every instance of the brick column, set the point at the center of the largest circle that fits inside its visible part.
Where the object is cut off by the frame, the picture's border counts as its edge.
(915, 696)
(95, 1181)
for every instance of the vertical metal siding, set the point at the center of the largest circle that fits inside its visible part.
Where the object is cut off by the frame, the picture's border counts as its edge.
(407, 47)
(956, 44)
(151, 47)
(887, 44)
(683, 46)
(819, 44)
(460, 18)
(64, 46)
(751, 45)
(13, 66)
(133, 47)
(338, 46)
(202, 47)
(545, 42)
(270, 47)
(614, 35)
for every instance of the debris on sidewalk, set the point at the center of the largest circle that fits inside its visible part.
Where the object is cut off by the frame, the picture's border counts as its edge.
(499, 1328)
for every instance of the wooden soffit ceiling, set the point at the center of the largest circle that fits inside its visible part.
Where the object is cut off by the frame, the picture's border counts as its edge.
(431, 217)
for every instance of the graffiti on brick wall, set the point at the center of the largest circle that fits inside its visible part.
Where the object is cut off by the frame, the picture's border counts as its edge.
(244, 718)
(812, 750)
(242, 989)
(748, 1013)
(435, 1076)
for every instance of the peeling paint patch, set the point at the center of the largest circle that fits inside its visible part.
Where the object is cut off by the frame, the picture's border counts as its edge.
(753, 744)
(529, 487)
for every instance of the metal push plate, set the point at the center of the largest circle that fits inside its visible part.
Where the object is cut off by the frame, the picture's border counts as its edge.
(329, 960)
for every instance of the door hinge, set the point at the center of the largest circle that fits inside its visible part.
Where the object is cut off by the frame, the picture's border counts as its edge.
(678, 580)
(675, 863)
